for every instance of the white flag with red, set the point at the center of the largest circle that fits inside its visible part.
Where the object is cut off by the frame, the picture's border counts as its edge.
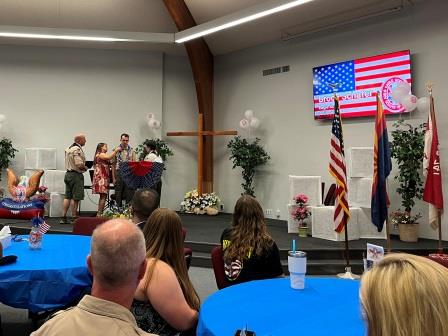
(431, 169)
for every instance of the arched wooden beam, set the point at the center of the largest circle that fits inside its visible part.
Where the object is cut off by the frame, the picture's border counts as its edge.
(201, 60)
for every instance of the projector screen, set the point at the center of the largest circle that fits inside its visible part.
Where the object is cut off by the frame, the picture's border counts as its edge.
(356, 83)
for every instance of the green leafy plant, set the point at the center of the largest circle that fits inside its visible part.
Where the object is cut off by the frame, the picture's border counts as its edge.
(7, 153)
(407, 149)
(161, 147)
(248, 155)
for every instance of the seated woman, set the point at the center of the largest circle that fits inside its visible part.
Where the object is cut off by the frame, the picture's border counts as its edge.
(405, 295)
(165, 302)
(249, 251)
(101, 175)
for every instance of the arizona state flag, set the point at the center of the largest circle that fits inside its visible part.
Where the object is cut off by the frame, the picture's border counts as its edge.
(382, 165)
(431, 169)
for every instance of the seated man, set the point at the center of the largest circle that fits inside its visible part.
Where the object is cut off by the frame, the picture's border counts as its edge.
(143, 203)
(117, 263)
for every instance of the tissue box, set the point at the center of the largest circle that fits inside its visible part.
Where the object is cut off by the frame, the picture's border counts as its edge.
(6, 241)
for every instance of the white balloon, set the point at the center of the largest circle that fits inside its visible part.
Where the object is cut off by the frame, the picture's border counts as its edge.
(244, 123)
(2, 118)
(409, 103)
(405, 86)
(398, 94)
(152, 123)
(423, 104)
(249, 114)
(157, 124)
(254, 123)
(150, 116)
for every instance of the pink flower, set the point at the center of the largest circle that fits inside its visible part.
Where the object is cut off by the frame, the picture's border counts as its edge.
(301, 199)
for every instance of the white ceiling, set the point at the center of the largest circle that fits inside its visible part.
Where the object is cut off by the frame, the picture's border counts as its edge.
(152, 16)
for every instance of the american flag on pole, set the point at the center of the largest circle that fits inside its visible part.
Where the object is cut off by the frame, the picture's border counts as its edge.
(357, 82)
(338, 170)
(44, 227)
(432, 193)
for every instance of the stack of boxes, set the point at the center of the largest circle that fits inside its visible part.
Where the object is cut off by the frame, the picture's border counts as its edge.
(359, 197)
(45, 159)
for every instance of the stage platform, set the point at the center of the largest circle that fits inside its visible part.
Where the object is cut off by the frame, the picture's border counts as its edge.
(204, 232)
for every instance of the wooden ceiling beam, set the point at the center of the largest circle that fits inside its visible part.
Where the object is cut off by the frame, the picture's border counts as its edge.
(201, 60)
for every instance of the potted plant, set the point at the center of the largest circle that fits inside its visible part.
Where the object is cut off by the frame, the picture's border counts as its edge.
(248, 155)
(300, 213)
(161, 147)
(407, 149)
(7, 153)
(407, 225)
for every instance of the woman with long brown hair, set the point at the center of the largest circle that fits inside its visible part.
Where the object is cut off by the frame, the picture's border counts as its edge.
(250, 253)
(101, 173)
(165, 302)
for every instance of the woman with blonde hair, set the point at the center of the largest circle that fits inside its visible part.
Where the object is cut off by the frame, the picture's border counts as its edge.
(405, 295)
(165, 302)
(249, 251)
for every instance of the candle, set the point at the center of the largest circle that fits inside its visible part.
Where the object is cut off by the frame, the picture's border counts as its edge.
(294, 246)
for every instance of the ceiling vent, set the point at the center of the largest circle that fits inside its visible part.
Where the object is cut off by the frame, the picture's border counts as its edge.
(357, 14)
(277, 70)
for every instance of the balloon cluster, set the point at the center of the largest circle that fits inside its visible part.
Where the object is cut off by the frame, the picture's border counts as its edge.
(249, 121)
(403, 95)
(153, 122)
(2, 119)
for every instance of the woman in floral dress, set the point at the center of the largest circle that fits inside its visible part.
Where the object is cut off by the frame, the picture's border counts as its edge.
(101, 173)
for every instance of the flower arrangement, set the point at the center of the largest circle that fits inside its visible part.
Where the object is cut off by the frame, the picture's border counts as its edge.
(116, 212)
(301, 211)
(403, 217)
(200, 204)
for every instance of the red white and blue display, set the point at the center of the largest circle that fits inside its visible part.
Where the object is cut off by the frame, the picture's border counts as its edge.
(356, 83)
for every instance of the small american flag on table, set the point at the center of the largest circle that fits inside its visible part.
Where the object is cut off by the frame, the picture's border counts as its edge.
(44, 227)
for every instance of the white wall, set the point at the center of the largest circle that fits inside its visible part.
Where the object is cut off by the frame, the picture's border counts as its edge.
(180, 112)
(296, 142)
(50, 94)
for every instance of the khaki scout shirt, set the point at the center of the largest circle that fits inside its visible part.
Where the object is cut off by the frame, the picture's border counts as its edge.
(74, 157)
(92, 316)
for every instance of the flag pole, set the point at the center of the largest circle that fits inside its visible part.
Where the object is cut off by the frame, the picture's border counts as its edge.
(388, 242)
(348, 269)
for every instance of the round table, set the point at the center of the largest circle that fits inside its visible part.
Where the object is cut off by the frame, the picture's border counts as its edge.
(326, 306)
(48, 278)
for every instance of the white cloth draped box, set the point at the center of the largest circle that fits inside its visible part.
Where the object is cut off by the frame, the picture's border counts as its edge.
(360, 191)
(308, 185)
(54, 181)
(40, 158)
(56, 200)
(323, 224)
(361, 162)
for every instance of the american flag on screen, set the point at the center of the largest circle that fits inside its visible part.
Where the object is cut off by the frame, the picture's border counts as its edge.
(357, 81)
(338, 170)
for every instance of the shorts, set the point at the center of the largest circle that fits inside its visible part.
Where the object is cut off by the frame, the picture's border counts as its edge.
(74, 186)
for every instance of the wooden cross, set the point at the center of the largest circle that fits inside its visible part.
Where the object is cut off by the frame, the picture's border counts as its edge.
(201, 134)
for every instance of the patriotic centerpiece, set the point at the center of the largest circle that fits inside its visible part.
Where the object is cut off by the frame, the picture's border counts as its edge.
(38, 229)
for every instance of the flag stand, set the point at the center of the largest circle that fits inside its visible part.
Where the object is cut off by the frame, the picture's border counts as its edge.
(439, 220)
(348, 269)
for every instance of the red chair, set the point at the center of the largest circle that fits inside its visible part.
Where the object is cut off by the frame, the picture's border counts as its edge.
(331, 195)
(218, 267)
(84, 226)
(442, 259)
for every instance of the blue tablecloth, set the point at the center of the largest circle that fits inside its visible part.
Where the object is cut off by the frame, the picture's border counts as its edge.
(48, 278)
(271, 308)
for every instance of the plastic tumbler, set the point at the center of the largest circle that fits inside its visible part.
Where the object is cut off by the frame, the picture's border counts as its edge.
(297, 269)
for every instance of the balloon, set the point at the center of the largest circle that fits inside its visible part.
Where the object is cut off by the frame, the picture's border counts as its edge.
(409, 103)
(423, 104)
(404, 86)
(244, 123)
(2, 118)
(152, 123)
(150, 116)
(157, 124)
(249, 114)
(254, 123)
